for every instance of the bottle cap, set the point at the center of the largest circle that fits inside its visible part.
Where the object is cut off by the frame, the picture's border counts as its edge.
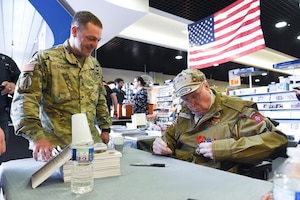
(81, 132)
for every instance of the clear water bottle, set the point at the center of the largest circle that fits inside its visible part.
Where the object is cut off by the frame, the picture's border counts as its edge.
(82, 180)
(286, 181)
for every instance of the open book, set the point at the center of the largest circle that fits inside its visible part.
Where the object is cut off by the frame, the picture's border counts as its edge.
(51, 166)
(106, 163)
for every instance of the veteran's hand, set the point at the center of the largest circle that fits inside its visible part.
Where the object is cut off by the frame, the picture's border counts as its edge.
(267, 196)
(206, 149)
(2, 142)
(42, 150)
(160, 147)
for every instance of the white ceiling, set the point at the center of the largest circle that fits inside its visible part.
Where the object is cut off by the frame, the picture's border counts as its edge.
(20, 25)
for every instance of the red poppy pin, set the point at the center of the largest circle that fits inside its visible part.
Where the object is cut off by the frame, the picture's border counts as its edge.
(201, 139)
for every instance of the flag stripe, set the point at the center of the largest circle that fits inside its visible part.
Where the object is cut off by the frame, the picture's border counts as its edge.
(235, 24)
(234, 53)
(234, 31)
(220, 46)
(229, 51)
(232, 15)
(215, 40)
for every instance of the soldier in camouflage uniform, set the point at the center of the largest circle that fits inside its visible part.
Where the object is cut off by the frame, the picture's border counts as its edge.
(217, 130)
(58, 83)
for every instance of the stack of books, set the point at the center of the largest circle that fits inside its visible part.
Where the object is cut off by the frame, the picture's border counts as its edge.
(105, 164)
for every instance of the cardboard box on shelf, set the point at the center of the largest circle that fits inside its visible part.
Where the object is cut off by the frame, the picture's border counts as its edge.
(263, 89)
(272, 87)
(282, 86)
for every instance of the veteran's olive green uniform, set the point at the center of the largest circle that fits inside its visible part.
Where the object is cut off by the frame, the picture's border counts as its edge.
(239, 134)
(52, 88)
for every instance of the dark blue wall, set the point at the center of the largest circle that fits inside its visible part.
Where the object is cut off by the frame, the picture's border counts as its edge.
(57, 18)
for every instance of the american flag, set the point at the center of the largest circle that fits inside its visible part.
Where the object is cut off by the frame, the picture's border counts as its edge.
(228, 34)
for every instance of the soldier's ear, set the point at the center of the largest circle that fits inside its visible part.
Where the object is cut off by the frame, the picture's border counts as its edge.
(74, 31)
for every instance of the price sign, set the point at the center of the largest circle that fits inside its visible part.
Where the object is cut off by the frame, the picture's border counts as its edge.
(234, 80)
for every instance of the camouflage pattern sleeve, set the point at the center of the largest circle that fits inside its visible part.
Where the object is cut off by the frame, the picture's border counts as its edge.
(25, 106)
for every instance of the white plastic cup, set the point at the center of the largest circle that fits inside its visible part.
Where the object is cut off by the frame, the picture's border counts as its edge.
(118, 143)
(81, 132)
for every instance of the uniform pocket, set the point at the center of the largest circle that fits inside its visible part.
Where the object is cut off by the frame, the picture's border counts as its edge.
(90, 85)
(64, 84)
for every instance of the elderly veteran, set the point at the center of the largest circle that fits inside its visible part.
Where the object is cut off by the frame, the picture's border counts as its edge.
(216, 130)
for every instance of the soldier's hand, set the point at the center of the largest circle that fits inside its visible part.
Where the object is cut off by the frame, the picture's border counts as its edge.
(2, 142)
(105, 137)
(42, 150)
(160, 147)
(206, 149)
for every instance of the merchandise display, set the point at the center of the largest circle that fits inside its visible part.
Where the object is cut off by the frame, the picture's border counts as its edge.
(280, 105)
(165, 105)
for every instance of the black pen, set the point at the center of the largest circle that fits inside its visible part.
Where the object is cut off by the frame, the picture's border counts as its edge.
(149, 165)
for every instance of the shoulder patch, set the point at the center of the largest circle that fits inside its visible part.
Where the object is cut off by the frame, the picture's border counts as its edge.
(256, 116)
(184, 115)
(29, 67)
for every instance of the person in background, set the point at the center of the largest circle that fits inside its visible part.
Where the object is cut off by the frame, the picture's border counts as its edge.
(216, 130)
(9, 73)
(140, 98)
(297, 92)
(59, 82)
(118, 90)
(111, 99)
(2, 142)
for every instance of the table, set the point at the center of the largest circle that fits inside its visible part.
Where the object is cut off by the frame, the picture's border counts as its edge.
(135, 138)
(120, 121)
(178, 180)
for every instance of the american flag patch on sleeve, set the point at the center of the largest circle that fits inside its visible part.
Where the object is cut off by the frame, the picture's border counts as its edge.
(29, 67)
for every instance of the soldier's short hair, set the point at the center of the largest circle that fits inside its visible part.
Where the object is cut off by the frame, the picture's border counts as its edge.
(81, 18)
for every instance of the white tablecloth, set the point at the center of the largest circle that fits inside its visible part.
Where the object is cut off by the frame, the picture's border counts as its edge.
(178, 180)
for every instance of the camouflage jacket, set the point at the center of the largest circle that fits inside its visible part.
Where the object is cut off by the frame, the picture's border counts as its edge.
(240, 135)
(53, 87)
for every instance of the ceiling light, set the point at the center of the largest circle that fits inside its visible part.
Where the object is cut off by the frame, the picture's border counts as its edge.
(281, 24)
(264, 74)
(257, 80)
(178, 57)
(215, 65)
(298, 37)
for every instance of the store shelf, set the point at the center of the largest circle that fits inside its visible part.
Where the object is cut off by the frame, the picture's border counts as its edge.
(164, 101)
(282, 106)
